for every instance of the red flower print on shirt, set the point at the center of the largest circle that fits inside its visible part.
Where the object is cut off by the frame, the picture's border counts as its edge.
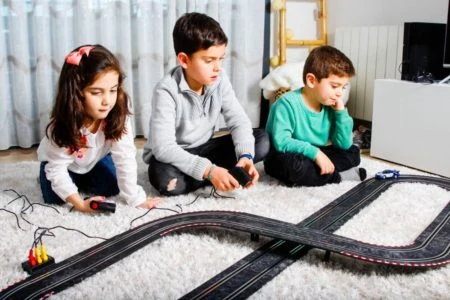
(79, 151)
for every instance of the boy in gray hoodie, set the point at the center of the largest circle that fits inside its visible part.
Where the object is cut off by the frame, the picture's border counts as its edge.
(181, 151)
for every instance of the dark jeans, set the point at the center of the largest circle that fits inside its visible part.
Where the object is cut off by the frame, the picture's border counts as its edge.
(218, 150)
(100, 181)
(297, 170)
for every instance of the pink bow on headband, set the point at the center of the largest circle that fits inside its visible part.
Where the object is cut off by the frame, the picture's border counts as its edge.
(74, 57)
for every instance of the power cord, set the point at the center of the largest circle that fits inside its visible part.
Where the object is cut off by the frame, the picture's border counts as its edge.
(212, 193)
(26, 205)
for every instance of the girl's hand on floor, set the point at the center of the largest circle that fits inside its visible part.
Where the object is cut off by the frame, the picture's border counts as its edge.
(150, 202)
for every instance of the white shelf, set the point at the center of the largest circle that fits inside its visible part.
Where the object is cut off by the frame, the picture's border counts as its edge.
(411, 125)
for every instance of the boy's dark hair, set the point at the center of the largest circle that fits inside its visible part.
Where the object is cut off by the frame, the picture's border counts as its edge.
(195, 31)
(68, 112)
(324, 61)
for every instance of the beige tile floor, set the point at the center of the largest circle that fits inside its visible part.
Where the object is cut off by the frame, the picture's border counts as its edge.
(16, 155)
(20, 154)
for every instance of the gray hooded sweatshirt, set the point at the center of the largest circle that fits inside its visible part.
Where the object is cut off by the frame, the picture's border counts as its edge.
(182, 119)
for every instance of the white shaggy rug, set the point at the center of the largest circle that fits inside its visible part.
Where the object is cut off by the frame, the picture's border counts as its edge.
(176, 264)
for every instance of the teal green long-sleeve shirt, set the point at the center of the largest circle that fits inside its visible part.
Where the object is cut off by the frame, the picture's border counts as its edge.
(294, 128)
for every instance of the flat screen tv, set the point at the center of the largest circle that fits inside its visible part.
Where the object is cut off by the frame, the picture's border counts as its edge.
(447, 40)
(423, 48)
(446, 63)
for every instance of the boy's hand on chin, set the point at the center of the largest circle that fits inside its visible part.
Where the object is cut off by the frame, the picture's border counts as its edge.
(338, 105)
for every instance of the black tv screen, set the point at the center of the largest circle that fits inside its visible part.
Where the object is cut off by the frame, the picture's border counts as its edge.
(423, 48)
(447, 40)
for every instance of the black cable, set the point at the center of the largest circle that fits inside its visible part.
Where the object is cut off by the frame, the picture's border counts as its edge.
(39, 238)
(141, 216)
(217, 195)
(23, 218)
(24, 198)
(44, 205)
(19, 196)
(15, 215)
(30, 204)
(47, 232)
(213, 193)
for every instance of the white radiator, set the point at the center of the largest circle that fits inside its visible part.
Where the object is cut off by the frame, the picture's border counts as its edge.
(376, 52)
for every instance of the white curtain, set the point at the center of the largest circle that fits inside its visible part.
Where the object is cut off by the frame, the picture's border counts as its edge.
(36, 35)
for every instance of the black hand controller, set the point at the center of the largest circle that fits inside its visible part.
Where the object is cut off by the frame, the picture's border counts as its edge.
(103, 206)
(241, 175)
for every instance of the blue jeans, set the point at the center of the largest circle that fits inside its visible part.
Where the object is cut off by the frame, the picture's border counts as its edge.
(100, 181)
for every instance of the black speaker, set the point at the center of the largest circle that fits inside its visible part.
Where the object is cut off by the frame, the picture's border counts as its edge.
(423, 52)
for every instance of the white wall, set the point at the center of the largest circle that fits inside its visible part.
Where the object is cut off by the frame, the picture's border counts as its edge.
(349, 13)
(386, 12)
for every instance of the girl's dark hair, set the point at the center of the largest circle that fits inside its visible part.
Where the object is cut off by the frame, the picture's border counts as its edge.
(196, 31)
(324, 61)
(68, 112)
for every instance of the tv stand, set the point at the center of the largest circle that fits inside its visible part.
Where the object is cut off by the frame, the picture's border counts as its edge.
(445, 80)
(411, 124)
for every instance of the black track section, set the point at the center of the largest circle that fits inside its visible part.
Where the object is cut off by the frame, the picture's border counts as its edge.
(256, 269)
(431, 248)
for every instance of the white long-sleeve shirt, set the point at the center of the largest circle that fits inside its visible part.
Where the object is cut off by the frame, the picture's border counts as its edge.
(123, 153)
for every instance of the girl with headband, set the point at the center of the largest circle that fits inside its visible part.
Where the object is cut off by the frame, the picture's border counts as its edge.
(89, 143)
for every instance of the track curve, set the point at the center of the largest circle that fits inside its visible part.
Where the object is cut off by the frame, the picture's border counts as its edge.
(256, 269)
(431, 248)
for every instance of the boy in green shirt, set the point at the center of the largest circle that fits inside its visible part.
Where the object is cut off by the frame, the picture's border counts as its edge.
(310, 128)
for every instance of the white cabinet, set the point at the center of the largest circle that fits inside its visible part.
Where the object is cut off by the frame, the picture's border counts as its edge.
(411, 124)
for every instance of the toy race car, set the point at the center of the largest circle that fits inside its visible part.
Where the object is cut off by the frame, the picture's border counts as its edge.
(387, 174)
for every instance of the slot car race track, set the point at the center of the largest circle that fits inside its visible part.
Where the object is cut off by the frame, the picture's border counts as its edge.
(431, 248)
(256, 269)
(253, 271)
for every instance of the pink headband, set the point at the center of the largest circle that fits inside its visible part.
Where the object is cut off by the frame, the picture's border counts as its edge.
(74, 57)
